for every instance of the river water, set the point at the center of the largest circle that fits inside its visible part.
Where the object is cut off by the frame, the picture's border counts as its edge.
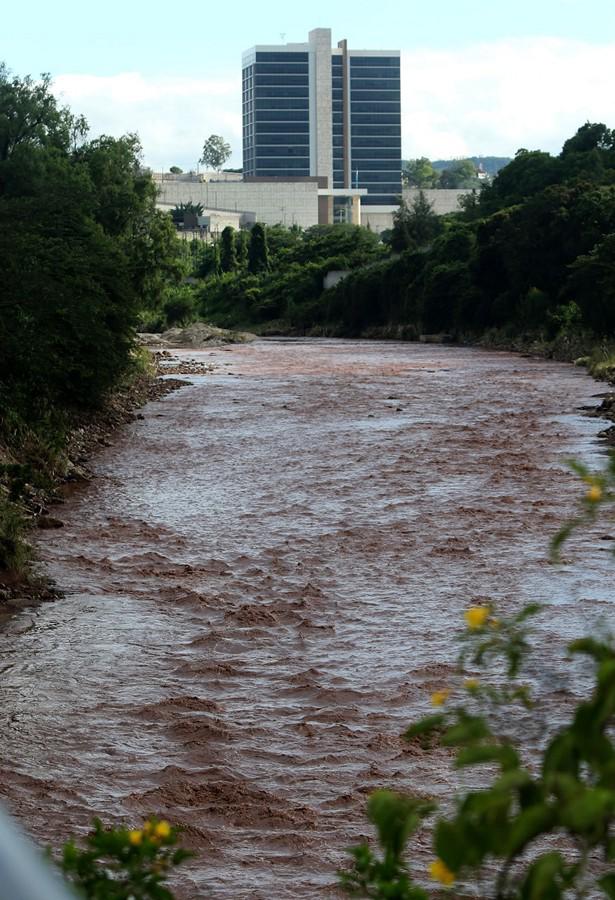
(262, 587)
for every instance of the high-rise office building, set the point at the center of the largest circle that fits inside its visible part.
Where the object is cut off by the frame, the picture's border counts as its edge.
(316, 110)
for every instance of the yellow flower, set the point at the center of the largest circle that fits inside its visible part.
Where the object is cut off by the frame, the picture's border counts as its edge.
(471, 684)
(147, 827)
(476, 616)
(162, 829)
(439, 871)
(135, 837)
(439, 698)
(594, 493)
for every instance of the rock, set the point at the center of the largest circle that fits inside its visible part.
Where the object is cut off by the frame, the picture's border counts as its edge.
(47, 522)
(151, 340)
(200, 335)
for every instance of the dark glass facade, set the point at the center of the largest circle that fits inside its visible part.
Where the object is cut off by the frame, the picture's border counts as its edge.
(367, 117)
(375, 128)
(276, 116)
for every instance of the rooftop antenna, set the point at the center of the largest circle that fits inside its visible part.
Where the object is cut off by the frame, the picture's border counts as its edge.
(282, 35)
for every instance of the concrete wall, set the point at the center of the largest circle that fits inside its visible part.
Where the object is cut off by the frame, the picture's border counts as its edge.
(321, 128)
(376, 219)
(286, 203)
(219, 219)
(442, 201)
(194, 178)
(332, 277)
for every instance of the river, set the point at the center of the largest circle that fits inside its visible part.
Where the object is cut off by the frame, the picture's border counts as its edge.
(262, 587)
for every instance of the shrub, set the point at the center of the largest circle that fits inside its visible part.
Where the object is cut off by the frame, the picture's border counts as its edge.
(124, 864)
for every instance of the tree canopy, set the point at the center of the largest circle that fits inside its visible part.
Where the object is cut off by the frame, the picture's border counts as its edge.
(216, 151)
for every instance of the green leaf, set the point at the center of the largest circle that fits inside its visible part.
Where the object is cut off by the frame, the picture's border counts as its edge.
(530, 610)
(589, 812)
(529, 823)
(468, 730)
(485, 753)
(450, 845)
(541, 881)
(607, 883)
(590, 647)
(561, 756)
(396, 817)
(425, 726)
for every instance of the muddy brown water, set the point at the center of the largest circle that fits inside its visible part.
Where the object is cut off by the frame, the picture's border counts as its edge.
(262, 588)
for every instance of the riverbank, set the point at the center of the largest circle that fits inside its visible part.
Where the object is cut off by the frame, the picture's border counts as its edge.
(41, 497)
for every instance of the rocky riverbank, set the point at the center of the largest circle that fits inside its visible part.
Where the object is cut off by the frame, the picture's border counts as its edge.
(40, 498)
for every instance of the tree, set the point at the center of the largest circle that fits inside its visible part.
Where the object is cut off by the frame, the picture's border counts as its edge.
(175, 170)
(258, 250)
(414, 226)
(420, 173)
(216, 151)
(178, 212)
(462, 174)
(228, 252)
(591, 136)
(30, 116)
(242, 242)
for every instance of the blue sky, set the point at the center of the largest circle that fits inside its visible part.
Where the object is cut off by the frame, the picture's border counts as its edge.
(478, 77)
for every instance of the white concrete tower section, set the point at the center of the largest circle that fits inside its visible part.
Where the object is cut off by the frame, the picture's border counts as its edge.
(321, 131)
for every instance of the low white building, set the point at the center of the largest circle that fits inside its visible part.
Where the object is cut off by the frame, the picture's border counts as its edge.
(294, 201)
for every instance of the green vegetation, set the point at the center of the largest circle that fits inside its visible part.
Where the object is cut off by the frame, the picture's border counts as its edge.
(271, 278)
(532, 255)
(124, 864)
(84, 254)
(537, 822)
(528, 259)
(215, 153)
(450, 173)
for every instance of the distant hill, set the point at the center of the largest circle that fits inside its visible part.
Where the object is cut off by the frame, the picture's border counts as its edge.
(491, 164)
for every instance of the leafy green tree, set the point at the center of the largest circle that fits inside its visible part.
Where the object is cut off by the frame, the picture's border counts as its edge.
(420, 173)
(530, 172)
(591, 136)
(216, 151)
(462, 174)
(30, 116)
(175, 170)
(591, 283)
(414, 226)
(178, 212)
(243, 239)
(228, 252)
(258, 250)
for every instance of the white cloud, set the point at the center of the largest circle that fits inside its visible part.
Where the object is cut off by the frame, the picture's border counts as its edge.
(493, 98)
(484, 99)
(172, 115)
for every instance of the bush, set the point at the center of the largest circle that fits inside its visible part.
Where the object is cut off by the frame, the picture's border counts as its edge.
(124, 864)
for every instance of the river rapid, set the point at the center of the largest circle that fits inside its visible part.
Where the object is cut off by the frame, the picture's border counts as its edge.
(262, 587)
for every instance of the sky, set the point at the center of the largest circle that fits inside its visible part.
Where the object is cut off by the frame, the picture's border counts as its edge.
(478, 78)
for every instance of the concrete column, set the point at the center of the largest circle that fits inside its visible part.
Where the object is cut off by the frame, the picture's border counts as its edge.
(356, 211)
(321, 111)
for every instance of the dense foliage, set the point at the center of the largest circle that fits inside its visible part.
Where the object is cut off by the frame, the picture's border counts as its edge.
(272, 277)
(453, 173)
(530, 253)
(83, 252)
(124, 864)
